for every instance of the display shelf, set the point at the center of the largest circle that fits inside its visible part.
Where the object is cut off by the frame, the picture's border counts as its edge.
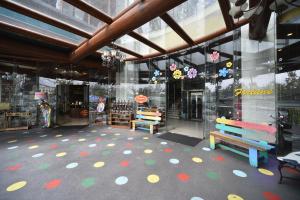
(120, 120)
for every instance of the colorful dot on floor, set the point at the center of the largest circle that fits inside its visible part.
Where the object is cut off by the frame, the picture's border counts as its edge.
(99, 164)
(130, 138)
(62, 154)
(88, 182)
(168, 150)
(111, 145)
(92, 145)
(239, 173)
(12, 141)
(163, 143)
(146, 138)
(65, 140)
(153, 178)
(52, 184)
(83, 154)
(197, 160)
(174, 161)
(206, 149)
(42, 136)
(81, 140)
(150, 162)
(129, 145)
(187, 149)
(71, 165)
(127, 152)
(58, 136)
(183, 177)
(196, 198)
(121, 180)
(103, 134)
(147, 151)
(212, 175)
(234, 197)
(117, 134)
(14, 167)
(219, 158)
(33, 147)
(16, 186)
(43, 166)
(13, 147)
(124, 163)
(271, 196)
(266, 172)
(106, 152)
(98, 139)
(94, 131)
(53, 146)
(37, 155)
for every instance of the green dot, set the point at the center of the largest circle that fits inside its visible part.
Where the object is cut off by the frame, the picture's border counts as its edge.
(43, 166)
(147, 143)
(212, 175)
(106, 152)
(88, 182)
(187, 149)
(150, 162)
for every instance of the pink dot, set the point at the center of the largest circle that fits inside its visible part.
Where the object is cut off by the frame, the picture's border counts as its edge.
(84, 154)
(53, 146)
(52, 184)
(168, 150)
(98, 139)
(14, 167)
(129, 145)
(219, 158)
(271, 196)
(124, 163)
(183, 177)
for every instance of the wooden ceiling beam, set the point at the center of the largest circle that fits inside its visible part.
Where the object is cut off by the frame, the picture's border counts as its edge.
(225, 7)
(42, 17)
(175, 26)
(127, 51)
(141, 13)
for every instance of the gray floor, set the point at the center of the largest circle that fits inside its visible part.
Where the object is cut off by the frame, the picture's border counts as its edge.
(186, 127)
(44, 160)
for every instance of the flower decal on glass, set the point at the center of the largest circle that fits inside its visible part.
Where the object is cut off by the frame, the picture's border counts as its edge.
(229, 64)
(214, 56)
(223, 72)
(156, 72)
(192, 73)
(186, 68)
(173, 67)
(177, 74)
(153, 78)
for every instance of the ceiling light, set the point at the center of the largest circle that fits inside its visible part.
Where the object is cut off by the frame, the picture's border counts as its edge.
(279, 50)
(289, 34)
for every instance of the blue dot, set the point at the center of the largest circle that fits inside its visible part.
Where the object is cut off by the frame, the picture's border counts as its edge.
(121, 180)
(174, 161)
(127, 152)
(196, 198)
(239, 173)
(72, 165)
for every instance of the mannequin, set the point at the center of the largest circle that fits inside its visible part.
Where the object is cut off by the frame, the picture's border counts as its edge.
(46, 112)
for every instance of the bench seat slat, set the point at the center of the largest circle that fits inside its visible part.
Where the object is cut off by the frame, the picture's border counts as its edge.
(148, 117)
(157, 114)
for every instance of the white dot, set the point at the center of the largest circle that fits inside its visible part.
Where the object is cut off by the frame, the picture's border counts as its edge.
(206, 149)
(43, 136)
(92, 145)
(130, 138)
(14, 147)
(196, 198)
(38, 155)
(174, 161)
(163, 143)
(121, 180)
(127, 152)
(72, 165)
(65, 140)
(103, 134)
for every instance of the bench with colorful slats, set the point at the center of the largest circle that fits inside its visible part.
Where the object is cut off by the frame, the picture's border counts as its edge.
(146, 121)
(232, 132)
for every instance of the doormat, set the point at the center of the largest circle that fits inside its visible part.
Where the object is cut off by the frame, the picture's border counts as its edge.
(182, 139)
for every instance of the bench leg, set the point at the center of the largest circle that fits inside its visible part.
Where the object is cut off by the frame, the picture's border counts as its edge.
(133, 126)
(253, 159)
(212, 142)
(151, 128)
(264, 154)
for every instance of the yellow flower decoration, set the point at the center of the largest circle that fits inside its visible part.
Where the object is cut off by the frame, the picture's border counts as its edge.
(229, 64)
(177, 74)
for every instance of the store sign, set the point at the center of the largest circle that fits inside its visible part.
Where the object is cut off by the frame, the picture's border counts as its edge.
(240, 91)
(141, 99)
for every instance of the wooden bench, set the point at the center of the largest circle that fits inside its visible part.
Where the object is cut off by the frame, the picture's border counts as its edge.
(146, 121)
(232, 132)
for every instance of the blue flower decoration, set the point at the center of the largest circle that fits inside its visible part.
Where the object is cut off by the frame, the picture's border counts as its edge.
(186, 69)
(156, 73)
(223, 72)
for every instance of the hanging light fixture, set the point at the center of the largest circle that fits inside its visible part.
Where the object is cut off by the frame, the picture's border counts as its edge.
(240, 9)
(112, 56)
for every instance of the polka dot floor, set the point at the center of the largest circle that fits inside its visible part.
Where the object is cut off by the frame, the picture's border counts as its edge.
(118, 164)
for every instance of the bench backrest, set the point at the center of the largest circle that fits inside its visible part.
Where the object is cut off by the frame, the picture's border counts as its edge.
(150, 116)
(247, 130)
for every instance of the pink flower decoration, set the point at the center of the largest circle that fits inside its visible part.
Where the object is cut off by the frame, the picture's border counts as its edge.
(192, 73)
(214, 56)
(173, 67)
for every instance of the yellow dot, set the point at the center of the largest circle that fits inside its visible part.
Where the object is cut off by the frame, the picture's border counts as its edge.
(197, 160)
(33, 147)
(111, 145)
(145, 138)
(153, 178)
(234, 197)
(94, 131)
(99, 164)
(61, 154)
(266, 172)
(16, 186)
(58, 136)
(148, 151)
(81, 140)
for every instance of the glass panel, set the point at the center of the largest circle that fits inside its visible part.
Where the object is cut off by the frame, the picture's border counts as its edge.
(64, 12)
(158, 32)
(198, 17)
(25, 22)
(110, 7)
(134, 45)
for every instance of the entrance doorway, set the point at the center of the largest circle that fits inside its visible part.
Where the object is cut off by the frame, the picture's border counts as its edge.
(195, 105)
(72, 105)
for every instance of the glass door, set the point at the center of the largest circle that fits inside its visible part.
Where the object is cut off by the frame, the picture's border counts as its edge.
(196, 106)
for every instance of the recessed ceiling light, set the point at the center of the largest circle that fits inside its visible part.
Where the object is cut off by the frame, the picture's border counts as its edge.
(289, 34)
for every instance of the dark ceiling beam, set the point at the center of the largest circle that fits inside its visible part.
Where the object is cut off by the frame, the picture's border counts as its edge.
(225, 7)
(42, 17)
(141, 13)
(258, 25)
(142, 39)
(175, 26)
